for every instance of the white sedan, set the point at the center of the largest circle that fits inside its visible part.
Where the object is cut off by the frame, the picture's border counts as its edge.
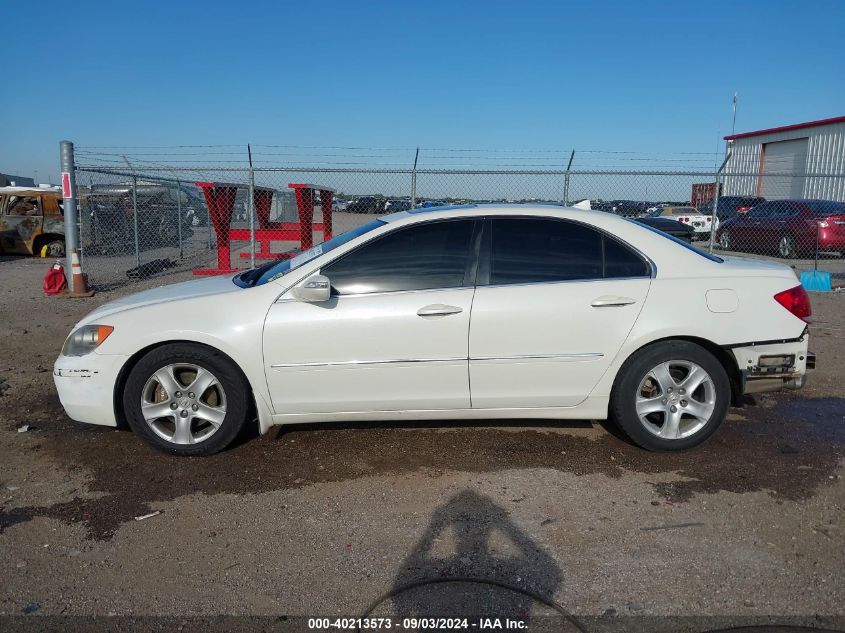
(473, 312)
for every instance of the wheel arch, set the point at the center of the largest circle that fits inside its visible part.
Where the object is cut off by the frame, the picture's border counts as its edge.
(117, 396)
(42, 239)
(724, 356)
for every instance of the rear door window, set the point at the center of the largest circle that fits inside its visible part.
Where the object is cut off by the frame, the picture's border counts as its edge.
(537, 250)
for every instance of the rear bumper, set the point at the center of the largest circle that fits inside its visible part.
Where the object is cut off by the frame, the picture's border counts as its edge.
(774, 367)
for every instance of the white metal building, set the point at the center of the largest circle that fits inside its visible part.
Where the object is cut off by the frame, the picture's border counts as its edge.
(805, 160)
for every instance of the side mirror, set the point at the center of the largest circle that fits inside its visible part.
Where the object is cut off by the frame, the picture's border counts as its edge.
(315, 289)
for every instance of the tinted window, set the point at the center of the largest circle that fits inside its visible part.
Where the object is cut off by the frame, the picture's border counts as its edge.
(621, 261)
(419, 257)
(822, 208)
(781, 209)
(529, 250)
(275, 269)
(761, 210)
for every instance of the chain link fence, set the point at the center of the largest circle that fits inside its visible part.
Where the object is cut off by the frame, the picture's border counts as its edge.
(150, 221)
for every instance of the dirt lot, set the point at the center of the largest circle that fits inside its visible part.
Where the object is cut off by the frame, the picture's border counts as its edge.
(322, 521)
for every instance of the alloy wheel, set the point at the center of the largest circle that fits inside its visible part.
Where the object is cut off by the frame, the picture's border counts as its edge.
(183, 403)
(786, 247)
(675, 399)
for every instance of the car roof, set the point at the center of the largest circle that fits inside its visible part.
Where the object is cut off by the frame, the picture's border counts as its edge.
(30, 191)
(480, 210)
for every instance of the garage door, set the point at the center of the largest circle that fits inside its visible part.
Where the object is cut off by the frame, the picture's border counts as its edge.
(788, 157)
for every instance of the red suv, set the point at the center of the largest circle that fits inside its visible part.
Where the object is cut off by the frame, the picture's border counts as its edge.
(786, 228)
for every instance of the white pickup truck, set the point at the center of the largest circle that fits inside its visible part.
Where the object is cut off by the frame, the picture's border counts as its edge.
(700, 223)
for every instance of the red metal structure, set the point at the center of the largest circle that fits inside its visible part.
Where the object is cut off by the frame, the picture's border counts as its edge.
(220, 198)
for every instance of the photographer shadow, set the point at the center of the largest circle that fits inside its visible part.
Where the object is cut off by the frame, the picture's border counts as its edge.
(474, 562)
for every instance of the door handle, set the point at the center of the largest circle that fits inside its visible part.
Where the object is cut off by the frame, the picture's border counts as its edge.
(612, 301)
(438, 309)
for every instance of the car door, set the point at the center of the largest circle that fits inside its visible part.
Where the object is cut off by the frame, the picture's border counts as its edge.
(393, 335)
(774, 225)
(21, 223)
(749, 229)
(555, 301)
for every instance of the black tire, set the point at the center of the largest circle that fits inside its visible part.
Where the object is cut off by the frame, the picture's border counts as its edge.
(233, 403)
(56, 248)
(725, 240)
(635, 373)
(787, 248)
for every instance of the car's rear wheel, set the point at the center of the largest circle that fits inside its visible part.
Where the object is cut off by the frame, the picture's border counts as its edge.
(186, 399)
(786, 246)
(670, 396)
(725, 241)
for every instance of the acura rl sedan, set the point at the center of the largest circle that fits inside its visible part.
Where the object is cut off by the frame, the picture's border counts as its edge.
(452, 313)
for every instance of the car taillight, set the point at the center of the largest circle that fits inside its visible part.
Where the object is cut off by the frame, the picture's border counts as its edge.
(797, 301)
(708, 219)
(683, 220)
(742, 209)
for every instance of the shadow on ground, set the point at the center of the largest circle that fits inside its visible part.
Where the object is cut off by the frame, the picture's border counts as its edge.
(789, 446)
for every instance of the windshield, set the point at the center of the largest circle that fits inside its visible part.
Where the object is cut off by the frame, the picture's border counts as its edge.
(280, 267)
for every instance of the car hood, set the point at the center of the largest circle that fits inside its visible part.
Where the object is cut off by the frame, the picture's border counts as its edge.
(217, 285)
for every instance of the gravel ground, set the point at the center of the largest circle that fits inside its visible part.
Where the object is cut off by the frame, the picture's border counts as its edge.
(324, 520)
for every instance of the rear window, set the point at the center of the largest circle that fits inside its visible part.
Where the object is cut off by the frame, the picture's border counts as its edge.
(698, 251)
(824, 208)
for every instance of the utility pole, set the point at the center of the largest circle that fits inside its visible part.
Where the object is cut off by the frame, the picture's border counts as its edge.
(733, 125)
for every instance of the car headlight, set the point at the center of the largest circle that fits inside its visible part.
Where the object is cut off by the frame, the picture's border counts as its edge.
(86, 339)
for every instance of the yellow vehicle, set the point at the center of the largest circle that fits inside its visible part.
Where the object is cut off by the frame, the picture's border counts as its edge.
(32, 221)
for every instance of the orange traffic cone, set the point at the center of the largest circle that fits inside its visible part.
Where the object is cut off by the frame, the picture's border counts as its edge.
(79, 287)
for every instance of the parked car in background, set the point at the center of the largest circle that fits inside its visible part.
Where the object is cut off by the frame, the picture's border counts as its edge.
(786, 228)
(465, 313)
(690, 216)
(731, 206)
(339, 204)
(674, 228)
(394, 206)
(109, 223)
(628, 208)
(366, 204)
(428, 204)
(32, 221)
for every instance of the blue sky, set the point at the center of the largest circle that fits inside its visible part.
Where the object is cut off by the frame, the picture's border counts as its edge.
(644, 76)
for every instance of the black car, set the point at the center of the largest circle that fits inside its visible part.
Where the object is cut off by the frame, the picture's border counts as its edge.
(674, 228)
(629, 208)
(366, 204)
(731, 206)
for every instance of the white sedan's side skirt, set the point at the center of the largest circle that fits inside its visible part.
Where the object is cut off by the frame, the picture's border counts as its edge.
(593, 408)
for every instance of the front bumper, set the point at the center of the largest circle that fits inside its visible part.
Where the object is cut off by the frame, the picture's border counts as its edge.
(86, 386)
(775, 366)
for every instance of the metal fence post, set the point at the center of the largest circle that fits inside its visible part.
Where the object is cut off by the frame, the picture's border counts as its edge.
(179, 217)
(414, 180)
(135, 220)
(714, 219)
(566, 180)
(70, 210)
(251, 204)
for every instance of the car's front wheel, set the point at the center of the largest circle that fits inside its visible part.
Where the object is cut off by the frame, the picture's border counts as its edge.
(670, 396)
(186, 399)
